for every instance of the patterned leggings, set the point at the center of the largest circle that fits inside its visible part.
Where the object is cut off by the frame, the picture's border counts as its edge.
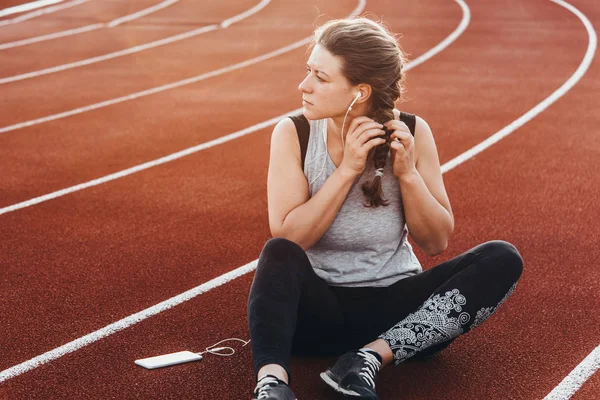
(293, 311)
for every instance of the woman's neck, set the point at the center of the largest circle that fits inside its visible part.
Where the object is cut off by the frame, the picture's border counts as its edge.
(334, 126)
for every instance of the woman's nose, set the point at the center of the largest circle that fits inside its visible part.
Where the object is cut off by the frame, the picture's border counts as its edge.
(303, 86)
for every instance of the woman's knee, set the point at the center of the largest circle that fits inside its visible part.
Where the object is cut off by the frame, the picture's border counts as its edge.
(277, 270)
(505, 255)
(281, 256)
(280, 250)
(278, 244)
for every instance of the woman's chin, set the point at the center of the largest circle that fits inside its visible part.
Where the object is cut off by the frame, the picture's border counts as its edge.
(309, 113)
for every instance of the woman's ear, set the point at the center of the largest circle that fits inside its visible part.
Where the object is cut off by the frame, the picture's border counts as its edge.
(365, 92)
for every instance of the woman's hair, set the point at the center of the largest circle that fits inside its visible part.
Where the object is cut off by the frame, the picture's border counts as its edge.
(369, 54)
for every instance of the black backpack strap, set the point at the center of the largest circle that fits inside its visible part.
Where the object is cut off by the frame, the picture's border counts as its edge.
(410, 120)
(303, 130)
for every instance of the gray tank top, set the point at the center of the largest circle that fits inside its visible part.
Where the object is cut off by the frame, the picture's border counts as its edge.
(363, 246)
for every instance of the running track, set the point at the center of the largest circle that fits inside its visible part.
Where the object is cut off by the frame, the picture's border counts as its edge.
(77, 263)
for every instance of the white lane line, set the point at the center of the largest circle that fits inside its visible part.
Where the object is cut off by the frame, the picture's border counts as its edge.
(230, 21)
(145, 165)
(131, 50)
(577, 377)
(87, 28)
(461, 28)
(529, 115)
(124, 323)
(162, 88)
(141, 13)
(68, 32)
(43, 11)
(172, 302)
(27, 7)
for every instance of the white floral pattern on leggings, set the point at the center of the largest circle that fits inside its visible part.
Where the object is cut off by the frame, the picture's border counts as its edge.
(429, 325)
(486, 312)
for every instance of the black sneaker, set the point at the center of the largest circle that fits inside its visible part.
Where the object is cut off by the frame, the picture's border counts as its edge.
(271, 388)
(354, 374)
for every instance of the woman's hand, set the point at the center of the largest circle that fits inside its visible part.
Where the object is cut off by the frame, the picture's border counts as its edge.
(402, 147)
(363, 135)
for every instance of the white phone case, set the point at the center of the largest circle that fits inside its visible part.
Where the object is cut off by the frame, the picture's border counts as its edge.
(168, 359)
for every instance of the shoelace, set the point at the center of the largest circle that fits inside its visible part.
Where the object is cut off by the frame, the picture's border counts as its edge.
(371, 367)
(263, 386)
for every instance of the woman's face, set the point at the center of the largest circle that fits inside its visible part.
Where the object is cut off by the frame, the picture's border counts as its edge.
(326, 92)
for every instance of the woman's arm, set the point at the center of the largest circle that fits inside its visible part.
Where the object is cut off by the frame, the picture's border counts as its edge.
(307, 223)
(426, 205)
(293, 214)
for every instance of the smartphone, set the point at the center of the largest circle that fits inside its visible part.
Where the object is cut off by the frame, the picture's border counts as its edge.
(168, 359)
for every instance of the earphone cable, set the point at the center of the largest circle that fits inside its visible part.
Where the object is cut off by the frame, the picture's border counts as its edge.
(216, 351)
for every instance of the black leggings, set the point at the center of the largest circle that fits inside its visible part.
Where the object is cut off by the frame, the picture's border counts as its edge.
(293, 311)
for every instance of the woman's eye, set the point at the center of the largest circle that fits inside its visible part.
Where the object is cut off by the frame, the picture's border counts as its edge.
(318, 78)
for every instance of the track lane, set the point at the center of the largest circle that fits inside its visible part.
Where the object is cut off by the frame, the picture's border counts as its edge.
(556, 43)
(80, 15)
(225, 23)
(25, 63)
(159, 66)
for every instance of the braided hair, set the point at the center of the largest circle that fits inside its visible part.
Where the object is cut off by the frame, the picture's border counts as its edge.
(370, 54)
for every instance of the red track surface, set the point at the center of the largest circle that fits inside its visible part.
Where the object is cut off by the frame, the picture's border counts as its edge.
(75, 264)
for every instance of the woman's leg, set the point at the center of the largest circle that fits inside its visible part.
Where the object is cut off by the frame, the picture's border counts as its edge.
(473, 286)
(433, 307)
(289, 305)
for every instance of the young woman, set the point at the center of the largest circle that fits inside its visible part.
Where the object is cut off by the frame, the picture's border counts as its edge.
(339, 276)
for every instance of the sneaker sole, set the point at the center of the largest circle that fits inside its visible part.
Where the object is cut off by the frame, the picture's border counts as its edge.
(335, 386)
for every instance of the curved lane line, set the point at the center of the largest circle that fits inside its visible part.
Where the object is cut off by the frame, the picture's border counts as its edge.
(136, 49)
(462, 26)
(141, 13)
(27, 7)
(56, 35)
(577, 377)
(558, 93)
(43, 11)
(162, 88)
(107, 178)
(88, 28)
(173, 301)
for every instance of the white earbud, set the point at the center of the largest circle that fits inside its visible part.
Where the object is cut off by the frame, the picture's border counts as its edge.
(358, 96)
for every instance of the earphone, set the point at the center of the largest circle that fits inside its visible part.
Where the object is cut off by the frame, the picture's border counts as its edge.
(358, 96)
